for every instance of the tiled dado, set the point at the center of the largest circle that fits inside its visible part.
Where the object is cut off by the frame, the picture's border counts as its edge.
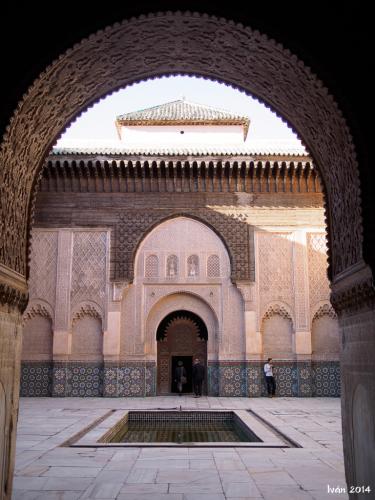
(77, 379)
(130, 379)
(138, 379)
(36, 378)
(293, 378)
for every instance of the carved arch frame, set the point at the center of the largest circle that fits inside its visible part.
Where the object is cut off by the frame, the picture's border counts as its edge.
(322, 308)
(183, 43)
(174, 44)
(174, 301)
(39, 307)
(87, 308)
(280, 308)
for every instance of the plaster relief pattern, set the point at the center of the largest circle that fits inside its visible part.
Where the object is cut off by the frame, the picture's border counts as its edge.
(319, 289)
(275, 268)
(43, 266)
(300, 276)
(88, 267)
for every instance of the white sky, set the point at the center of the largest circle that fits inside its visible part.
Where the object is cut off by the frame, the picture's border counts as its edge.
(97, 123)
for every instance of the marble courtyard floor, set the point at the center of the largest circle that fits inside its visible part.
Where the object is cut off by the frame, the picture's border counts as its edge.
(44, 470)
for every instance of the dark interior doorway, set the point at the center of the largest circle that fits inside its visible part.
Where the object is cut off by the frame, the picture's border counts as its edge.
(188, 365)
(181, 335)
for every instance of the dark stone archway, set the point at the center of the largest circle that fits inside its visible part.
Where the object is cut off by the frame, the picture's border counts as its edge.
(220, 50)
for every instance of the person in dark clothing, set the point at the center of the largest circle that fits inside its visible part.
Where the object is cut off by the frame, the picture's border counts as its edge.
(180, 376)
(198, 377)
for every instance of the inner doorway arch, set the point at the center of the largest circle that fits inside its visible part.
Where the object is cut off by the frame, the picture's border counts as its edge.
(191, 43)
(181, 336)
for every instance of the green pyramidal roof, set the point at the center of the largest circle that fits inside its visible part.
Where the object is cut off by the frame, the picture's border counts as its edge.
(183, 112)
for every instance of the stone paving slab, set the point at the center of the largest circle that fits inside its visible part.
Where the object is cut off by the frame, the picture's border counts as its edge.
(47, 471)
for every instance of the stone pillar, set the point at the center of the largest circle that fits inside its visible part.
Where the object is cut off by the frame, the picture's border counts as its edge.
(61, 334)
(111, 341)
(253, 341)
(353, 297)
(13, 300)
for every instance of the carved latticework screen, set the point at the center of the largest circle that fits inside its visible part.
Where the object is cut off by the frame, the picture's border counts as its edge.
(213, 266)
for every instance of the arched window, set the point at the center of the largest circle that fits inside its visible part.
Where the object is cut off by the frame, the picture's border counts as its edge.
(213, 266)
(172, 266)
(193, 266)
(152, 267)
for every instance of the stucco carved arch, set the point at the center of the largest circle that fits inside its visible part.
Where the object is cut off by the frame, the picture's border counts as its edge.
(323, 308)
(87, 308)
(181, 301)
(185, 215)
(280, 308)
(38, 307)
(178, 43)
(183, 291)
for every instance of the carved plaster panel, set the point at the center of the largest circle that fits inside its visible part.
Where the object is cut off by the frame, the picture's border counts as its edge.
(43, 266)
(89, 267)
(319, 287)
(275, 273)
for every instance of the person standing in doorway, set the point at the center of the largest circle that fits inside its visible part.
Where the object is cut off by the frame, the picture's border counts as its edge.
(198, 377)
(180, 377)
(270, 380)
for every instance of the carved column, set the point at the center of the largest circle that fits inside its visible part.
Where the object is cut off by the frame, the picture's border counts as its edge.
(61, 339)
(13, 300)
(61, 334)
(353, 297)
(301, 297)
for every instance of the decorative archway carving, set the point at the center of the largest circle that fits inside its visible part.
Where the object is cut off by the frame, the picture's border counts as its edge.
(39, 308)
(87, 309)
(280, 309)
(324, 310)
(189, 43)
(181, 334)
(179, 43)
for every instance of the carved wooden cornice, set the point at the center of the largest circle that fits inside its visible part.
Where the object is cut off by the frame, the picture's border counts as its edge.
(353, 289)
(13, 289)
(110, 174)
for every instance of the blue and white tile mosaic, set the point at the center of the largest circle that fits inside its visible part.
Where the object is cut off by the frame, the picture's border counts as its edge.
(213, 379)
(326, 378)
(232, 379)
(77, 379)
(132, 379)
(36, 379)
